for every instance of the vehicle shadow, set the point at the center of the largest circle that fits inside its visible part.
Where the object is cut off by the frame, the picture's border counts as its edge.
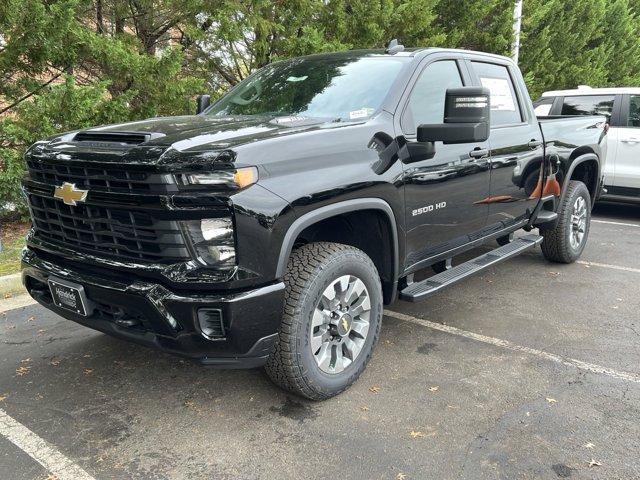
(617, 211)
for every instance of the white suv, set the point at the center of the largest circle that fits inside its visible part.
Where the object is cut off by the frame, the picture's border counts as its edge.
(622, 108)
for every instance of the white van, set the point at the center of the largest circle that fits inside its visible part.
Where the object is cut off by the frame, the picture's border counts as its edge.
(622, 108)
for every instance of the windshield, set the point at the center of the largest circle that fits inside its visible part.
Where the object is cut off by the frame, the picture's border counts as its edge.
(341, 88)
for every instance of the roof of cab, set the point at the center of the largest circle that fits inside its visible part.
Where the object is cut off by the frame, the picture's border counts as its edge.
(407, 52)
(586, 90)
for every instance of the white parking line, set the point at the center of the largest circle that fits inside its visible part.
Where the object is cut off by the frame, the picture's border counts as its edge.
(38, 449)
(621, 224)
(606, 265)
(590, 367)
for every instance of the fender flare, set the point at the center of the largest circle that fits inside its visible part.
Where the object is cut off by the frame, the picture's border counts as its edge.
(577, 161)
(333, 210)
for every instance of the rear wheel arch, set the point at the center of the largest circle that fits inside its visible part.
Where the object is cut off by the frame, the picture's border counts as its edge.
(585, 167)
(337, 223)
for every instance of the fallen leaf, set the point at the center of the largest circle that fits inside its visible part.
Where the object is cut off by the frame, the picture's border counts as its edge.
(7, 295)
(374, 389)
(2, 397)
(88, 371)
(53, 476)
(619, 299)
(594, 463)
(364, 408)
(415, 434)
(10, 327)
(31, 318)
(189, 403)
(26, 360)
(41, 331)
(401, 476)
(55, 363)
(555, 274)
(22, 371)
(434, 389)
(551, 400)
(589, 445)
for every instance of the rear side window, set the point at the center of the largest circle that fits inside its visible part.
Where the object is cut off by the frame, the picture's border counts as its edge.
(634, 111)
(505, 109)
(588, 105)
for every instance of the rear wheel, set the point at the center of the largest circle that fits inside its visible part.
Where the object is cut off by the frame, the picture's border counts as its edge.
(331, 320)
(566, 241)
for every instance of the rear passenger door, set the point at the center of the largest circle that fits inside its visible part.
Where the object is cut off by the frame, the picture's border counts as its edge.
(626, 174)
(516, 144)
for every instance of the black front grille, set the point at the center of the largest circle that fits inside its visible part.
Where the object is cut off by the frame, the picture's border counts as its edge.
(118, 233)
(112, 179)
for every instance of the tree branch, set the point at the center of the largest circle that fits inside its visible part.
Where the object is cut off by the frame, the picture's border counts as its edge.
(32, 93)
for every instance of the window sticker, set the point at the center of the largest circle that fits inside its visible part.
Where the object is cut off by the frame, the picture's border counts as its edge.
(362, 113)
(501, 97)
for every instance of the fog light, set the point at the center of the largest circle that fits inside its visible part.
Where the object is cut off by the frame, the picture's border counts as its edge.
(211, 324)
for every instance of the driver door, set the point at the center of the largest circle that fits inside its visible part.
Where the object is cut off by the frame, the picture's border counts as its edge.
(443, 194)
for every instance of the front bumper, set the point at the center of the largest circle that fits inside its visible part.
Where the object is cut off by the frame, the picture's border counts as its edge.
(152, 315)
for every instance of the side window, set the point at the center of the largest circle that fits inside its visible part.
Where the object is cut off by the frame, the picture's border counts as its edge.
(505, 108)
(426, 102)
(634, 111)
(588, 105)
(543, 106)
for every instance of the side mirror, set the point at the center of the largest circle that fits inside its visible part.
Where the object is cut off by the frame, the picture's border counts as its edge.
(466, 118)
(202, 103)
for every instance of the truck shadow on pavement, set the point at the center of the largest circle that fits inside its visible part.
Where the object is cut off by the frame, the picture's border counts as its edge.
(617, 211)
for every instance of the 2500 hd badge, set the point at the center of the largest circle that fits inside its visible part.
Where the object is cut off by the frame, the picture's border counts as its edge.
(429, 208)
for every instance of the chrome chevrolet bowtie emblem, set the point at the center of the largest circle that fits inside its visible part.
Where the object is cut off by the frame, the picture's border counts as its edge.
(69, 194)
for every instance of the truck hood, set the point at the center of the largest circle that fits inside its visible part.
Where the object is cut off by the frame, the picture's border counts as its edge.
(172, 143)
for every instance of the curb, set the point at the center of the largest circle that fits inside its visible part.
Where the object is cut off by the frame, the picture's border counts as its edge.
(10, 284)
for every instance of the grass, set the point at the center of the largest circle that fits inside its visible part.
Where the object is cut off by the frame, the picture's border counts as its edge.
(12, 240)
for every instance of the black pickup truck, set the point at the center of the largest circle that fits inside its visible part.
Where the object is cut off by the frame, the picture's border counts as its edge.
(270, 228)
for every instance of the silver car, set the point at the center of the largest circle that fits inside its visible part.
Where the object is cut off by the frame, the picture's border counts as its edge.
(622, 108)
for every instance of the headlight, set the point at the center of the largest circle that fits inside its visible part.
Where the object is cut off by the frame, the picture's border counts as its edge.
(239, 178)
(213, 241)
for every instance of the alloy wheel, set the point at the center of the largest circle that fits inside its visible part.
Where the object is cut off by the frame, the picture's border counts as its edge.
(340, 324)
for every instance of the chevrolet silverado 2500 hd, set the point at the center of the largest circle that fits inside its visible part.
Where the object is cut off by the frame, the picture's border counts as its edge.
(270, 228)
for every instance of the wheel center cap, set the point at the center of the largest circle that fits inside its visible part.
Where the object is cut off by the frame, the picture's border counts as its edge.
(344, 325)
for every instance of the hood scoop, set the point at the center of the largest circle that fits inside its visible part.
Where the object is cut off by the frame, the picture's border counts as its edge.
(97, 138)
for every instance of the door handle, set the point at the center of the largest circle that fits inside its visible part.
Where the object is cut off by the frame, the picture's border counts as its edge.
(479, 153)
(535, 143)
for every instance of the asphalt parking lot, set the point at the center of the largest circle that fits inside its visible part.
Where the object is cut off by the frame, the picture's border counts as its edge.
(531, 370)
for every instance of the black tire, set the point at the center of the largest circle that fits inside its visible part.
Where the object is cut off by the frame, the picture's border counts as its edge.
(311, 269)
(557, 245)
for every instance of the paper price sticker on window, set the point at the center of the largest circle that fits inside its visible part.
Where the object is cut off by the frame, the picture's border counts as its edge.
(501, 95)
(362, 113)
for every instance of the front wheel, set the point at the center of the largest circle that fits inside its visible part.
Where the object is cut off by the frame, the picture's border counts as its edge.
(331, 321)
(566, 241)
